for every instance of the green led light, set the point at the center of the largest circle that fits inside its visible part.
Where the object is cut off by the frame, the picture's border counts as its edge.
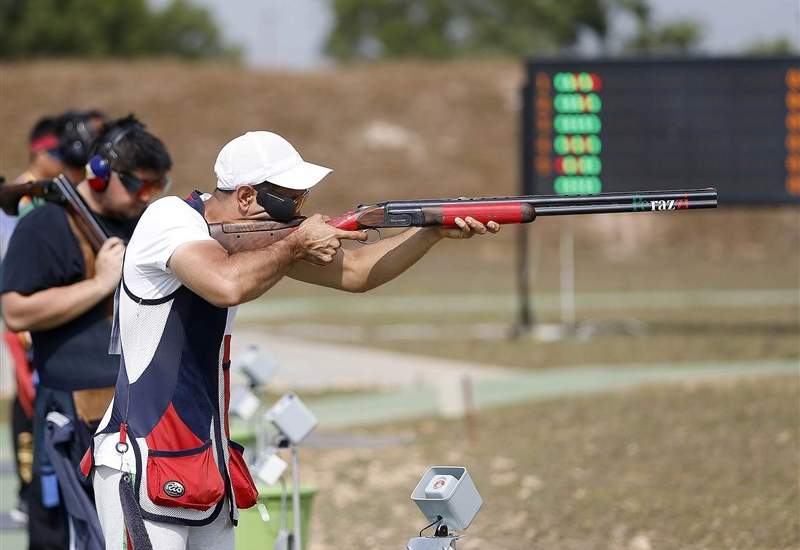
(589, 165)
(577, 144)
(564, 82)
(572, 82)
(585, 82)
(577, 124)
(562, 103)
(577, 103)
(569, 165)
(593, 103)
(577, 185)
(593, 145)
(561, 145)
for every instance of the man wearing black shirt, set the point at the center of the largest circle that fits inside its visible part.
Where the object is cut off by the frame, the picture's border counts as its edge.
(44, 162)
(60, 292)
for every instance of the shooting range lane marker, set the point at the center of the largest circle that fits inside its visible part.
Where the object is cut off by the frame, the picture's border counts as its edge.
(268, 308)
(308, 365)
(377, 408)
(410, 392)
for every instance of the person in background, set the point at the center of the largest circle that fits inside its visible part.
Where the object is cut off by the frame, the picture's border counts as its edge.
(44, 161)
(57, 145)
(56, 287)
(76, 131)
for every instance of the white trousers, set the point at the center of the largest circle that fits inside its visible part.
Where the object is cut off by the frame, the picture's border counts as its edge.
(217, 535)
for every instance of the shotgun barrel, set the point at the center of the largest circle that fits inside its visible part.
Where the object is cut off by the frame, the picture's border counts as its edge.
(521, 209)
(443, 212)
(709, 193)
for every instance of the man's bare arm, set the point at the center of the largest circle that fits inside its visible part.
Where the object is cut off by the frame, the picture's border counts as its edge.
(370, 266)
(226, 279)
(51, 308)
(364, 268)
(55, 306)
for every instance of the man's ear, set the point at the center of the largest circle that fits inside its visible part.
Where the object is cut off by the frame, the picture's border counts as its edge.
(245, 196)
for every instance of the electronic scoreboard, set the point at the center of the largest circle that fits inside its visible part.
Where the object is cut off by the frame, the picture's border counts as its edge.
(640, 125)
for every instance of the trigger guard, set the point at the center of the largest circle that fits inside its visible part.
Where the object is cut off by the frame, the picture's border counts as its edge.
(377, 236)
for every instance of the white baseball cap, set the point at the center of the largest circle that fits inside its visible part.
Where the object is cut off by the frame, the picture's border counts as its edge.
(257, 157)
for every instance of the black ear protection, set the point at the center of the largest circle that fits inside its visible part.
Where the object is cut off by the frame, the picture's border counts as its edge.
(279, 207)
(76, 140)
(98, 172)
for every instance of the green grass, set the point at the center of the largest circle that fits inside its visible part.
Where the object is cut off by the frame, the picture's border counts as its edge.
(685, 334)
(712, 465)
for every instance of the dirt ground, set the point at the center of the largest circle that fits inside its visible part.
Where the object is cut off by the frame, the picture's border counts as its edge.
(711, 465)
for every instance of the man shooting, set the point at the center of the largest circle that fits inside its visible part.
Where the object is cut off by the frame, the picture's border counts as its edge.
(168, 423)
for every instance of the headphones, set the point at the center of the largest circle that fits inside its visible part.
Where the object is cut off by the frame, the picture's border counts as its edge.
(98, 170)
(76, 141)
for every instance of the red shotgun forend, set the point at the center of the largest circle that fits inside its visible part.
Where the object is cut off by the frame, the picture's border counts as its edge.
(502, 213)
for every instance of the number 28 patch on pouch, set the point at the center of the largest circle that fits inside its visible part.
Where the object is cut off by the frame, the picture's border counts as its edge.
(174, 488)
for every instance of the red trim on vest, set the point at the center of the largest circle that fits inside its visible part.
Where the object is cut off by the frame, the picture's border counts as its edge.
(226, 374)
(26, 392)
(226, 351)
(87, 462)
(172, 434)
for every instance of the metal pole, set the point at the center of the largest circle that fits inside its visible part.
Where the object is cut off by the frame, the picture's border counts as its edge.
(568, 278)
(525, 318)
(297, 543)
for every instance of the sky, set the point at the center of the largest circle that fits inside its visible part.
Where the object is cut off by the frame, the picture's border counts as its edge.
(290, 34)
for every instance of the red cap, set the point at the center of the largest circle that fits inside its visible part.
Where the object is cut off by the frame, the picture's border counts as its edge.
(44, 143)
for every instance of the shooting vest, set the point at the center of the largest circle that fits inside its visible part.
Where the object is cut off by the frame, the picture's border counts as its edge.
(173, 409)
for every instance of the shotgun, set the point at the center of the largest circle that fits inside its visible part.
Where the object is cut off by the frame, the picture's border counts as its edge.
(254, 235)
(59, 190)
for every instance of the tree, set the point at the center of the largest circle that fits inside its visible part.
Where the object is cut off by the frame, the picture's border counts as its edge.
(680, 36)
(777, 46)
(676, 37)
(452, 28)
(99, 28)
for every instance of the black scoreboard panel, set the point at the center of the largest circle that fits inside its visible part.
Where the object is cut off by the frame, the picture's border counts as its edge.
(639, 125)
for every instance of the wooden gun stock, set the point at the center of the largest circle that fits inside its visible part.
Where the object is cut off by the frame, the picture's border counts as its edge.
(238, 237)
(12, 193)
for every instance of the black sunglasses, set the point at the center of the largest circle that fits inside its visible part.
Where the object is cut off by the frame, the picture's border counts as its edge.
(278, 202)
(143, 188)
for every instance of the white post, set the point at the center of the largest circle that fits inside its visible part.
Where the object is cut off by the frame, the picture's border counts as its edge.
(297, 543)
(567, 277)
